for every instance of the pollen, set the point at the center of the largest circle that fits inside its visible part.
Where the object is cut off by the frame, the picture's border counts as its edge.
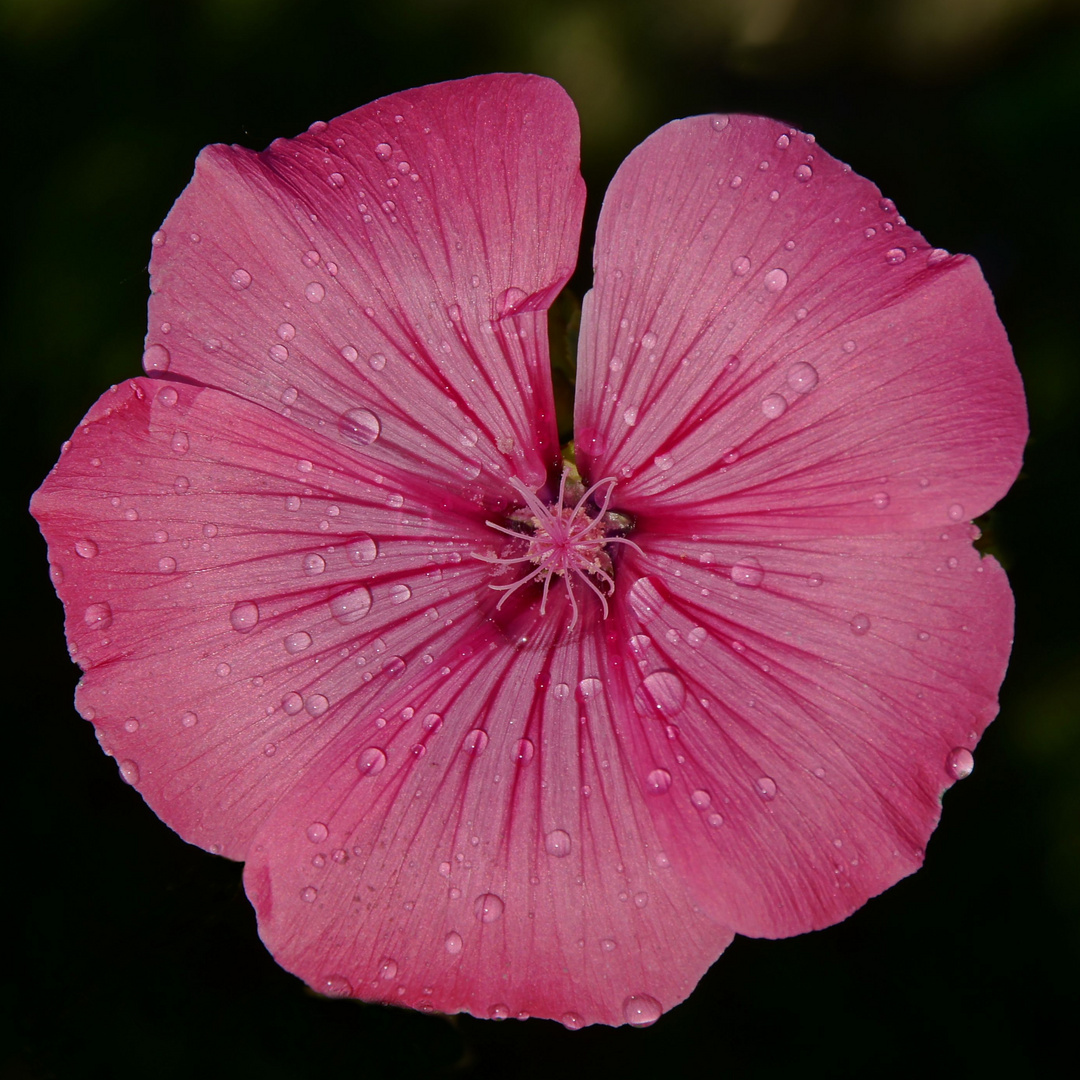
(564, 540)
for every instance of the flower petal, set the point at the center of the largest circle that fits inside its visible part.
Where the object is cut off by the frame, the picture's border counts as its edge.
(237, 597)
(499, 859)
(385, 275)
(766, 336)
(810, 699)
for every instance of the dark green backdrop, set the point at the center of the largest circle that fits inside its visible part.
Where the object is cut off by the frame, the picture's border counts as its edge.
(135, 955)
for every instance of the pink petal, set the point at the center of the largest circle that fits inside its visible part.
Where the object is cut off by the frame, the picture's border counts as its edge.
(237, 598)
(498, 859)
(396, 261)
(766, 336)
(807, 698)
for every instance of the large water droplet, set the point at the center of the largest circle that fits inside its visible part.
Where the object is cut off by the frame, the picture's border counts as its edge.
(129, 771)
(773, 405)
(314, 564)
(454, 944)
(316, 704)
(316, 832)
(959, 763)
(509, 300)
(701, 799)
(803, 173)
(766, 787)
(641, 1010)
(297, 642)
(523, 751)
(748, 572)
(362, 549)
(336, 986)
(309, 894)
(572, 1021)
(895, 255)
(360, 425)
(557, 843)
(371, 761)
(240, 279)
(180, 442)
(476, 741)
(349, 607)
(658, 782)
(383, 151)
(399, 593)
(156, 358)
(98, 616)
(244, 617)
(86, 548)
(590, 687)
(488, 907)
(388, 968)
(775, 280)
(645, 599)
(802, 377)
(666, 690)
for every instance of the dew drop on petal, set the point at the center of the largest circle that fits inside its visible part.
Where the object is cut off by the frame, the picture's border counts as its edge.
(348, 352)
(129, 771)
(488, 907)
(297, 642)
(314, 564)
(360, 425)
(740, 266)
(286, 331)
(572, 1021)
(658, 782)
(317, 832)
(453, 943)
(244, 617)
(314, 291)
(666, 691)
(860, 624)
(645, 599)
(98, 616)
(400, 593)
(87, 549)
(748, 572)
(802, 377)
(881, 500)
(773, 405)
(371, 761)
(476, 741)
(766, 787)
(641, 1010)
(316, 705)
(523, 751)
(509, 300)
(895, 255)
(362, 549)
(240, 279)
(803, 173)
(336, 986)
(383, 151)
(959, 763)
(189, 719)
(701, 799)
(775, 280)
(720, 122)
(557, 843)
(180, 442)
(156, 358)
(292, 703)
(956, 512)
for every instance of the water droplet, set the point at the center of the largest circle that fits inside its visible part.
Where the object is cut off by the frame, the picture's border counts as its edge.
(98, 616)
(286, 331)
(523, 751)
(571, 1021)
(860, 624)
(715, 820)
(630, 415)
(590, 687)
(348, 352)
(937, 255)
(371, 761)
(336, 986)
(240, 279)
(641, 1010)
(959, 763)
(316, 705)
(666, 691)
(476, 741)
(736, 182)
(292, 703)
(167, 396)
(766, 787)
(881, 500)
(377, 362)
(314, 291)
(509, 300)
(189, 719)
(775, 280)
(740, 266)
(180, 443)
(645, 598)
(697, 637)
(895, 256)
(158, 238)
(383, 151)
(317, 832)
(557, 843)
(360, 425)
(488, 907)
(244, 617)
(155, 358)
(773, 405)
(720, 122)
(129, 771)
(388, 968)
(783, 142)
(748, 572)
(803, 173)
(956, 512)
(335, 179)
(292, 503)
(453, 943)
(701, 799)
(658, 782)
(297, 642)
(499, 1012)
(362, 549)
(86, 548)
(802, 377)
(399, 593)
(278, 353)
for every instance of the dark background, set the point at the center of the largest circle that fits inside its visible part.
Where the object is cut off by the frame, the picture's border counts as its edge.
(135, 955)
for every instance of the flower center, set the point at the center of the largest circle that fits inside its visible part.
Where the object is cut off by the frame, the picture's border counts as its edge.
(564, 540)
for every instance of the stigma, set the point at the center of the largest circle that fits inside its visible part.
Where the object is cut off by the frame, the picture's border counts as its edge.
(567, 539)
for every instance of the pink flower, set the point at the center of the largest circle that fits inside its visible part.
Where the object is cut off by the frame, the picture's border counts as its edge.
(487, 740)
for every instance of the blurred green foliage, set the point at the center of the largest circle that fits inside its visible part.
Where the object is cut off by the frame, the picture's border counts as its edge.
(137, 954)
